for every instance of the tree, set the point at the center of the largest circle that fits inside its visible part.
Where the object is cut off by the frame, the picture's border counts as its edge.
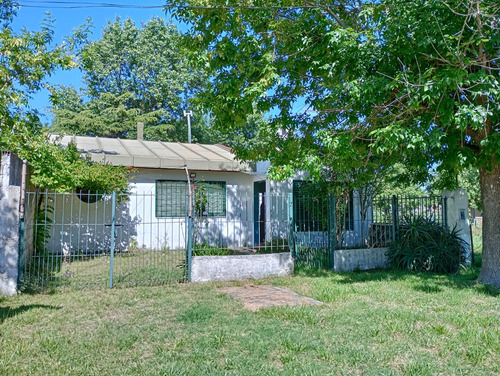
(26, 60)
(417, 82)
(469, 179)
(133, 74)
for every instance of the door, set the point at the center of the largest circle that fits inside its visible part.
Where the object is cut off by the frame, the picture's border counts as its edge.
(259, 211)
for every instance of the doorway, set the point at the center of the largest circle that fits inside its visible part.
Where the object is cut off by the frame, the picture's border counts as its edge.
(259, 212)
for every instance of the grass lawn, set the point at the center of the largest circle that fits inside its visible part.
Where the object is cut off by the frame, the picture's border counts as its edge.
(138, 267)
(477, 237)
(373, 323)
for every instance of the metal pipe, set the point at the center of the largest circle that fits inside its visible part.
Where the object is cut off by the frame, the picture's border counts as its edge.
(189, 245)
(112, 253)
(188, 114)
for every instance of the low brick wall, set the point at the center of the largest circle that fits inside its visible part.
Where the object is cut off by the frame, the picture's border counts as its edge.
(232, 268)
(347, 260)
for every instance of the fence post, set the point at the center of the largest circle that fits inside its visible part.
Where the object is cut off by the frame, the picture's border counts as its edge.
(189, 250)
(291, 239)
(113, 212)
(445, 211)
(189, 243)
(395, 216)
(332, 230)
(20, 265)
(455, 212)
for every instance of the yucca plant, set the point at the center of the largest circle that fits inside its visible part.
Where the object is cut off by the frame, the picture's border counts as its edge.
(426, 246)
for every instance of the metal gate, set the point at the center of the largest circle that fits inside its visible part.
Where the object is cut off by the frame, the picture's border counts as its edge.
(93, 240)
(320, 224)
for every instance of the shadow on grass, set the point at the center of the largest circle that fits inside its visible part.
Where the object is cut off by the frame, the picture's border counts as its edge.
(423, 282)
(9, 312)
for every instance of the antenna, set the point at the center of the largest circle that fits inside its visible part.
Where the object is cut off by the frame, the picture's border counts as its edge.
(188, 114)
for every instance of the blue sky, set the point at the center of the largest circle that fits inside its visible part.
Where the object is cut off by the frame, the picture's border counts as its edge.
(68, 19)
(32, 13)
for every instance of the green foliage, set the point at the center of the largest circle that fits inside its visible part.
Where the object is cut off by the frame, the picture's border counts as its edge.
(426, 246)
(26, 60)
(208, 250)
(143, 74)
(469, 180)
(64, 169)
(356, 85)
(132, 74)
(43, 223)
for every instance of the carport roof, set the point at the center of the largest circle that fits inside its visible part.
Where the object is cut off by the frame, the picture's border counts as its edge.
(156, 154)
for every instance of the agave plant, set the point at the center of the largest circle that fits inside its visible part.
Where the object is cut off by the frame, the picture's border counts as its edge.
(426, 246)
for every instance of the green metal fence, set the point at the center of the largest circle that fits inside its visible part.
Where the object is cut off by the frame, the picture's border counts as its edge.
(93, 240)
(98, 240)
(322, 224)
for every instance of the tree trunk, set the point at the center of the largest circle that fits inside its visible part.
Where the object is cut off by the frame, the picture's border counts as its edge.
(490, 193)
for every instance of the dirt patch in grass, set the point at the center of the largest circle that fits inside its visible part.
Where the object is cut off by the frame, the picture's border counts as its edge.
(255, 297)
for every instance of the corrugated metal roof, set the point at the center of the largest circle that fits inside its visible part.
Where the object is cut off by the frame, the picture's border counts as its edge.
(156, 154)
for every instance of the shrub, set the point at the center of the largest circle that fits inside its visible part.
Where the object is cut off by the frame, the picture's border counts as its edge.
(209, 250)
(426, 246)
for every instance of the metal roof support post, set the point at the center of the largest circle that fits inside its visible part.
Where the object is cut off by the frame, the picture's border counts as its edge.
(188, 114)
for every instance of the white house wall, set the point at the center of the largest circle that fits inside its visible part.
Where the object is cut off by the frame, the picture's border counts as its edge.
(233, 230)
(81, 227)
(85, 227)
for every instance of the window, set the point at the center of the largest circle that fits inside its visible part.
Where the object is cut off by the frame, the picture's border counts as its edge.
(172, 198)
(210, 198)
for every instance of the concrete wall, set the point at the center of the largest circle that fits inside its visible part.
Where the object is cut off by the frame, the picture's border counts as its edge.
(458, 216)
(348, 260)
(10, 181)
(231, 268)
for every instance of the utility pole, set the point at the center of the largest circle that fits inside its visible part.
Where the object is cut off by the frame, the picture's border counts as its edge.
(188, 114)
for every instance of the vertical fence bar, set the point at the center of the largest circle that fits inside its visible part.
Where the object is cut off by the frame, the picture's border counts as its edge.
(20, 265)
(445, 212)
(331, 229)
(291, 239)
(113, 209)
(189, 250)
(395, 210)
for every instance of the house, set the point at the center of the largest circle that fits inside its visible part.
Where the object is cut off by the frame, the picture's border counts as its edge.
(235, 205)
(153, 216)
